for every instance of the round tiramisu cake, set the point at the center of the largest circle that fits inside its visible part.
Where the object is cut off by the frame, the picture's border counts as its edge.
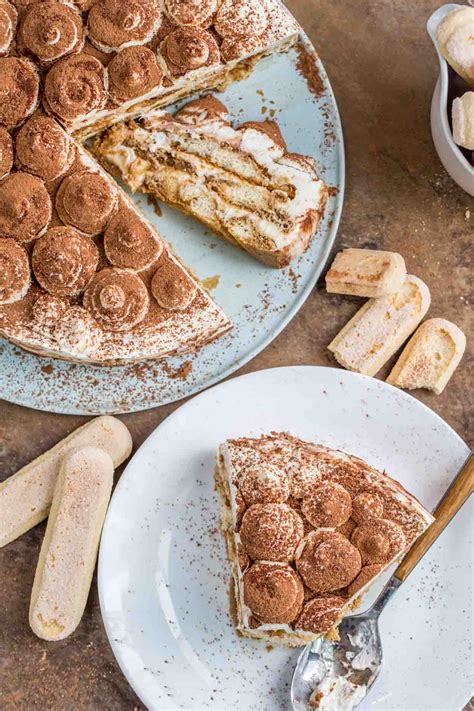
(84, 276)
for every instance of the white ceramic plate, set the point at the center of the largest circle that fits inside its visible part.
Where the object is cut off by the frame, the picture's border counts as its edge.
(163, 573)
(259, 300)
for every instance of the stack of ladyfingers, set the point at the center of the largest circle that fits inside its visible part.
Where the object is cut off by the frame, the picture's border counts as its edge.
(71, 483)
(397, 304)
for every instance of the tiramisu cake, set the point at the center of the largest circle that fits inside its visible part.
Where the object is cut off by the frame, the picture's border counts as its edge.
(308, 529)
(82, 275)
(241, 181)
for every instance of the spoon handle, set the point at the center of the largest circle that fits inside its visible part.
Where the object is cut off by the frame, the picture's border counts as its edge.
(449, 505)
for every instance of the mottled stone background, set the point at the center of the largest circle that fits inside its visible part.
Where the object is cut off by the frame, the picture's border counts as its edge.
(383, 70)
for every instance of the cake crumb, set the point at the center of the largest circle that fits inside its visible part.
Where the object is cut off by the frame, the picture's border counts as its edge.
(211, 282)
(153, 202)
(315, 699)
(180, 373)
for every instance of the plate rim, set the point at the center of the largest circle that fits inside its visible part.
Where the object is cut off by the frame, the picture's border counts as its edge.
(286, 320)
(101, 584)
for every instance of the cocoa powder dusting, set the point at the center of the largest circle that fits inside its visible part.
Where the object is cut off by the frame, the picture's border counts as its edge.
(306, 66)
(321, 484)
(180, 373)
(294, 281)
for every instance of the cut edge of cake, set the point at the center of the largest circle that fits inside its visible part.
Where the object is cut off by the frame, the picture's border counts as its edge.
(217, 80)
(240, 181)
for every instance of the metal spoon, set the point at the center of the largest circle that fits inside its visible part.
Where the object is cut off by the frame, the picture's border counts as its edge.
(339, 674)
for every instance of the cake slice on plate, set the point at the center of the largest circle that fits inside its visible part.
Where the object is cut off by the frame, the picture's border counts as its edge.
(241, 181)
(308, 529)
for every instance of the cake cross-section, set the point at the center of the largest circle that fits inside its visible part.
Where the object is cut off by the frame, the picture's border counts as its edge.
(241, 181)
(308, 529)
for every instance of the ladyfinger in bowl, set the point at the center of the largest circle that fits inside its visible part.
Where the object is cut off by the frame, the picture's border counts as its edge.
(25, 497)
(366, 272)
(69, 551)
(380, 327)
(454, 34)
(463, 120)
(430, 357)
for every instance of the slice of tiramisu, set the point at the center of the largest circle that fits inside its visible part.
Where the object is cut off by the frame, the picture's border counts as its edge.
(239, 180)
(308, 529)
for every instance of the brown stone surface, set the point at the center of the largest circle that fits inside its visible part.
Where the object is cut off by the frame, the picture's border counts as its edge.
(383, 71)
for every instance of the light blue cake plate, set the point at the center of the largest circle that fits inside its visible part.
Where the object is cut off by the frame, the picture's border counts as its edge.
(259, 300)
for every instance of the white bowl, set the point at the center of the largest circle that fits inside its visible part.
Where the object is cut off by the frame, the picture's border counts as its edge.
(449, 153)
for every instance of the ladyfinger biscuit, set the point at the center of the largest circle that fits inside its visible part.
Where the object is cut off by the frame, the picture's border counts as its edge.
(454, 34)
(366, 272)
(25, 497)
(69, 551)
(380, 327)
(430, 357)
(463, 120)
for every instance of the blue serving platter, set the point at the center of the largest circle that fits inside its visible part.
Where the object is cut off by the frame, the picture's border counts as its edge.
(260, 301)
